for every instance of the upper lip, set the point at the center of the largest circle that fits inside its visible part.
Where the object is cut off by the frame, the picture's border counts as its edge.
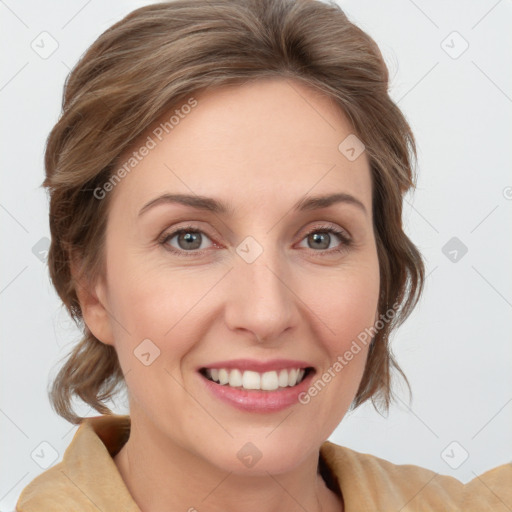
(258, 365)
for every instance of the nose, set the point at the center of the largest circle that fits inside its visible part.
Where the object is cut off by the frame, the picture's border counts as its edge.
(261, 299)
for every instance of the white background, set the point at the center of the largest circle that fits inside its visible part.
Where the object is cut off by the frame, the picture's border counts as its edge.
(456, 348)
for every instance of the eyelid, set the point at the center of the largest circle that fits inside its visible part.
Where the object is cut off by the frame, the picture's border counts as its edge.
(171, 233)
(343, 234)
(327, 226)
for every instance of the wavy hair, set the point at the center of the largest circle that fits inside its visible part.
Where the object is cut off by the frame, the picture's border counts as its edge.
(153, 59)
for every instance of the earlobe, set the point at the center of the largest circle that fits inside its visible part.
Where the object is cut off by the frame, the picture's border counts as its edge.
(93, 303)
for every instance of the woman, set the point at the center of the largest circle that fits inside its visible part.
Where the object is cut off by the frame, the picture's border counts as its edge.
(226, 188)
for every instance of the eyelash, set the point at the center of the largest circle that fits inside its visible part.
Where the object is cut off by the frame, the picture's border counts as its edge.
(346, 242)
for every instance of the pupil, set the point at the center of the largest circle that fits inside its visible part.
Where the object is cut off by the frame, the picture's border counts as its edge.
(319, 241)
(190, 238)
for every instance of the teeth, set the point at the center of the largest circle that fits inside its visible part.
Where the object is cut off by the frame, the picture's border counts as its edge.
(235, 378)
(283, 378)
(223, 376)
(250, 380)
(267, 381)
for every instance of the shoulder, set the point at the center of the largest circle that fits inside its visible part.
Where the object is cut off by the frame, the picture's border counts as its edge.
(491, 490)
(370, 482)
(87, 478)
(51, 490)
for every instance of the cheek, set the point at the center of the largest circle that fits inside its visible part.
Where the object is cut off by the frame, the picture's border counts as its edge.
(346, 303)
(348, 312)
(150, 302)
(151, 326)
(355, 311)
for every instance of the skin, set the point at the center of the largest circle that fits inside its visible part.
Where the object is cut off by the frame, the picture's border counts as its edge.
(259, 147)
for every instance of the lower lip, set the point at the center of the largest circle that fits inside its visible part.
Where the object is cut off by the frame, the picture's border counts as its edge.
(256, 400)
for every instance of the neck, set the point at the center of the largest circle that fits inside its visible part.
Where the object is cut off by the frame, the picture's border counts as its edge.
(162, 476)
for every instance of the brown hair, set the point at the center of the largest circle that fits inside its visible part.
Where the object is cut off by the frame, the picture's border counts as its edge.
(152, 60)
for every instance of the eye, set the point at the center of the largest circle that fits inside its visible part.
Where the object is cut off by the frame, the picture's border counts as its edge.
(185, 239)
(320, 238)
(192, 241)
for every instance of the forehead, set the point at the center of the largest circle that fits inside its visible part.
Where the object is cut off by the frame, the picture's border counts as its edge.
(271, 139)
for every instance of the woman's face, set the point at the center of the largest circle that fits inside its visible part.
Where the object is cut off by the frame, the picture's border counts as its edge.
(250, 293)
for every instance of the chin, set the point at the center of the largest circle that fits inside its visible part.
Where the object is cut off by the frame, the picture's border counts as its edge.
(260, 455)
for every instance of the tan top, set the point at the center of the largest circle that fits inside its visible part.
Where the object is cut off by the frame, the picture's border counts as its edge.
(87, 479)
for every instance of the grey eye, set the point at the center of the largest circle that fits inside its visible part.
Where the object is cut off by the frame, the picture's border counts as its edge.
(186, 240)
(319, 240)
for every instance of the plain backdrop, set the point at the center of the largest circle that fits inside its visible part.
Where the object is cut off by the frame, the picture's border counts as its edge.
(450, 64)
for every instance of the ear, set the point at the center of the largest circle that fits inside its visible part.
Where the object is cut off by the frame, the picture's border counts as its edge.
(93, 303)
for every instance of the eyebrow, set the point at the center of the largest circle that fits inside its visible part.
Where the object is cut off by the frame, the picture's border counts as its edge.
(215, 206)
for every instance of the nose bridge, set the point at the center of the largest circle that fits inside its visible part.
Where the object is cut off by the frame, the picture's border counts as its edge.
(260, 300)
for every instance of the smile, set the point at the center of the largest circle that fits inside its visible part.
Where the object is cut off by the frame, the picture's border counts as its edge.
(252, 380)
(257, 386)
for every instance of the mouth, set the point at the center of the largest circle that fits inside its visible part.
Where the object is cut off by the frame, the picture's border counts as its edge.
(272, 380)
(257, 386)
